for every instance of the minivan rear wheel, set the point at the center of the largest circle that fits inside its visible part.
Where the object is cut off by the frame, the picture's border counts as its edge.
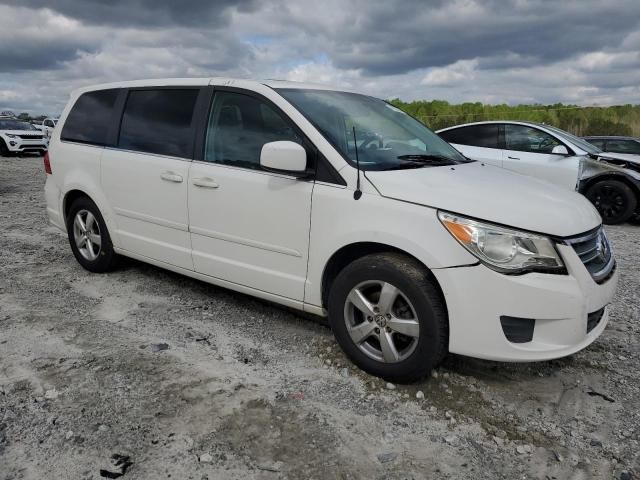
(388, 316)
(614, 200)
(89, 237)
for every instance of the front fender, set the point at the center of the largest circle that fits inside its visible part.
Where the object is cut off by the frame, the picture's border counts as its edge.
(411, 228)
(592, 171)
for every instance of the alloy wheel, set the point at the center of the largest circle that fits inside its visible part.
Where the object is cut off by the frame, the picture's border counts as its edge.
(609, 201)
(86, 233)
(381, 321)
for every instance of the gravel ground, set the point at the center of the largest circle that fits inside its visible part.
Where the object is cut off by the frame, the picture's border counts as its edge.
(191, 381)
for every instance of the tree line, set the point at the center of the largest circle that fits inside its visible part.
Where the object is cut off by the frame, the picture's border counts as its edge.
(581, 121)
(25, 117)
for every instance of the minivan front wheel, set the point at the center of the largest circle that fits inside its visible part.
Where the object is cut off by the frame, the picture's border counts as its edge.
(614, 200)
(88, 236)
(388, 317)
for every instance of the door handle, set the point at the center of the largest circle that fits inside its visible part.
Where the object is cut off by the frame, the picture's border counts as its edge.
(513, 158)
(205, 182)
(171, 177)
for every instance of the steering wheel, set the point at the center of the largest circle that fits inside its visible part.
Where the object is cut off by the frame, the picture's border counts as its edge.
(546, 144)
(371, 140)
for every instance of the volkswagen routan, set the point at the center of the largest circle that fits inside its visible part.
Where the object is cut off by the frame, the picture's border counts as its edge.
(333, 203)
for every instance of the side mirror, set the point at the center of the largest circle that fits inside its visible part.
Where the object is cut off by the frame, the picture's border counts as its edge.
(560, 150)
(284, 157)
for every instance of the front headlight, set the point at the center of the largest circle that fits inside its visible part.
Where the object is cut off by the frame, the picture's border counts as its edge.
(10, 135)
(503, 249)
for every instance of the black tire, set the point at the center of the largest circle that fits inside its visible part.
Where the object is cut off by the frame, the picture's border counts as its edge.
(615, 200)
(4, 151)
(106, 258)
(416, 285)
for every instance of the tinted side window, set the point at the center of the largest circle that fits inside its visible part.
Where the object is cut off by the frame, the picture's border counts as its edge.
(476, 136)
(159, 121)
(528, 139)
(239, 126)
(90, 117)
(623, 146)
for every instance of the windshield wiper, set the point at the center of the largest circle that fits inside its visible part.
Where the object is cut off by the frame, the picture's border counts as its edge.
(427, 158)
(408, 164)
(421, 160)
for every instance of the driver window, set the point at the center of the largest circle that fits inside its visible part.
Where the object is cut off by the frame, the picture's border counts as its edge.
(528, 139)
(239, 126)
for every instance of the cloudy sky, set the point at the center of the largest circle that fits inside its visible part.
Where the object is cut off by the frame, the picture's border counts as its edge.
(515, 51)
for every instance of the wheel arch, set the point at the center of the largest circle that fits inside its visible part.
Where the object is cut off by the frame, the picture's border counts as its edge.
(70, 197)
(589, 182)
(76, 192)
(353, 251)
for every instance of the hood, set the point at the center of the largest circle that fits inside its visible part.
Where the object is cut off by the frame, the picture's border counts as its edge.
(21, 132)
(493, 194)
(627, 157)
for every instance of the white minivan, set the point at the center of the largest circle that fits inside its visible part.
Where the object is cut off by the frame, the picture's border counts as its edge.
(333, 203)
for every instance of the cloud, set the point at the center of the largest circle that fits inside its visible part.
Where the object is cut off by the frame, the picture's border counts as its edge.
(384, 38)
(512, 51)
(41, 39)
(147, 13)
(450, 76)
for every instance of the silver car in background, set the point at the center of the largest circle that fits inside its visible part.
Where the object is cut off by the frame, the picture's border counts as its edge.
(610, 181)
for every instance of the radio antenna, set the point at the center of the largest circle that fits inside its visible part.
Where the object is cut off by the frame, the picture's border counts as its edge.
(358, 193)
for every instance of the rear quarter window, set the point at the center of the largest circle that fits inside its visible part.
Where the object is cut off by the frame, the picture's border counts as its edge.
(90, 117)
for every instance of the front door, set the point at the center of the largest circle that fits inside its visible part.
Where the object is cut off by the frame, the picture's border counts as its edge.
(248, 226)
(528, 151)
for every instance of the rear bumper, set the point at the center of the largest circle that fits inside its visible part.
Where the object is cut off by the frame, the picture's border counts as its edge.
(53, 197)
(478, 297)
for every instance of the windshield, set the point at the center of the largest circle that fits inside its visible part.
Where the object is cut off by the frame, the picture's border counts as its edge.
(15, 125)
(386, 137)
(583, 144)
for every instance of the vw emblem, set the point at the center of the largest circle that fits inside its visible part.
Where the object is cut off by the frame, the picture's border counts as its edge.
(601, 247)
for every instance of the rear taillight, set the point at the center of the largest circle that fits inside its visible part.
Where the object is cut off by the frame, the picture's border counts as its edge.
(47, 164)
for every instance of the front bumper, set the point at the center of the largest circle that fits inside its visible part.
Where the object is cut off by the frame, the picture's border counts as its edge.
(477, 297)
(18, 145)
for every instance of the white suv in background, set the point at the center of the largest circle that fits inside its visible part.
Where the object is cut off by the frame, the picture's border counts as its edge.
(47, 126)
(610, 181)
(337, 204)
(18, 137)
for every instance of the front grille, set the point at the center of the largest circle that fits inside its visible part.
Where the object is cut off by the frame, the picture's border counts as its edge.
(595, 252)
(31, 137)
(593, 319)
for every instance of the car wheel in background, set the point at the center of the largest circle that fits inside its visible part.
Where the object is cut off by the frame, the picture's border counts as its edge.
(89, 237)
(4, 151)
(615, 200)
(389, 317)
